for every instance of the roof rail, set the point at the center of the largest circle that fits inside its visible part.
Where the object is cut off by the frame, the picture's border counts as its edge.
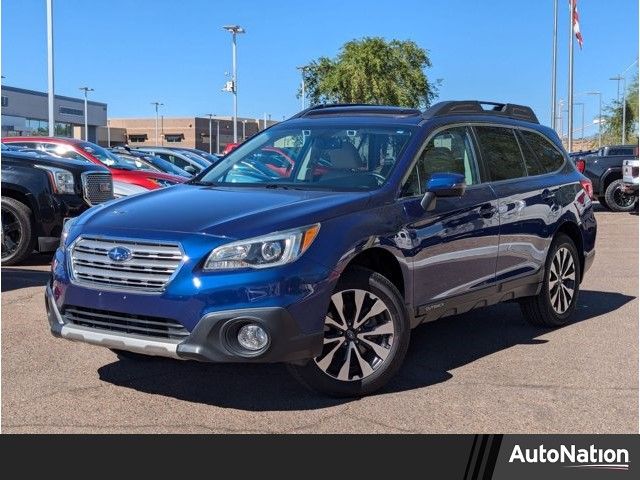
(357, 109)
(464, 107)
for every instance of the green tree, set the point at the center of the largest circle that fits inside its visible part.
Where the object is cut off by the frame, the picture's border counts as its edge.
(613, 118)
(374, 71)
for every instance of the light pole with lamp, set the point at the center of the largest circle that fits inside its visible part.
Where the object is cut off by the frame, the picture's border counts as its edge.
(86, 91)
(157, 105)
(234, 30)
(303, 69)
(599, 116)
(210, 115)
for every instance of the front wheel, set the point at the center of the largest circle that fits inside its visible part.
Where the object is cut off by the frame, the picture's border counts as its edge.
(17, 239)
(557, 300)
(366, 335)
(617, 200)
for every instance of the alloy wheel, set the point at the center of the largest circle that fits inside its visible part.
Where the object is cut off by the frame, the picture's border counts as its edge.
(358, 335)
(11, 233)
(562, 280)
(623, 200)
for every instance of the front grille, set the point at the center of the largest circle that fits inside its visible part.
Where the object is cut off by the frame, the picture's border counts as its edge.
(149, 268)
(125, 323)
(97, 187)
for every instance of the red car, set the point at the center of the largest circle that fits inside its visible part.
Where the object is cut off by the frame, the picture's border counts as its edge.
(229, 147)
(80, 150)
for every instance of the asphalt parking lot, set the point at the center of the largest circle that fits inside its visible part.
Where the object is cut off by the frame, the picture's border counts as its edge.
(484, 371)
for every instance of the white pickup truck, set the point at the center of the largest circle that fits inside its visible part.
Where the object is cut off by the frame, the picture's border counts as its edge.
(630, 177)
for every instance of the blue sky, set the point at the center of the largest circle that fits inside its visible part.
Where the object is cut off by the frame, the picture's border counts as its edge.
(135, 52)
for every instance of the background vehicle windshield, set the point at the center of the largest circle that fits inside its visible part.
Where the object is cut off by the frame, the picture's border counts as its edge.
(326, 157)
(105, 156)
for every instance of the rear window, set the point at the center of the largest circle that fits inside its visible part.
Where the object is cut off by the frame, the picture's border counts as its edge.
(500, 153)
(548, 155)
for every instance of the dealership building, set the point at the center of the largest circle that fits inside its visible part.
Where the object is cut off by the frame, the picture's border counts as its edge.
(188, 132)
(25, 112)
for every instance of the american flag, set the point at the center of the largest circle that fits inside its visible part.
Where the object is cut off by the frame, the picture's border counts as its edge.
(573, 4)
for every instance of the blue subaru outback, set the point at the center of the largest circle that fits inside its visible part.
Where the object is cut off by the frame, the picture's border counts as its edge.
(323, 240)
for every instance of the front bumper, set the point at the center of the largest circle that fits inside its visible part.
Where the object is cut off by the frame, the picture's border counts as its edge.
(210, 341)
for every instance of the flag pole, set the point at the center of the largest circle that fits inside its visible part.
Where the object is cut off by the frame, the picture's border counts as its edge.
(570, 92)
(554, 65)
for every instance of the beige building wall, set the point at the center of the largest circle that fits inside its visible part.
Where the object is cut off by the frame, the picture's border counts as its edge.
(188, 132)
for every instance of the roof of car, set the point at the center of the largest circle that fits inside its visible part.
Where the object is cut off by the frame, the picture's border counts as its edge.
(466, 108)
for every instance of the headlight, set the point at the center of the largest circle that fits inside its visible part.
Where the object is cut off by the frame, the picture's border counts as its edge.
(66, 228)
(61, 180)
(161, 182)
(270, 250)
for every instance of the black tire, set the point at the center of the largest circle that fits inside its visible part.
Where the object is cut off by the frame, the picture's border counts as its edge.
(377, 289)
(538, 310)
(618, 201)
(17, 242)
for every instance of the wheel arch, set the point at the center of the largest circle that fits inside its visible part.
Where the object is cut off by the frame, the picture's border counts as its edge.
(20, 195)
(572, 230)
(384, 262)
(610, 175)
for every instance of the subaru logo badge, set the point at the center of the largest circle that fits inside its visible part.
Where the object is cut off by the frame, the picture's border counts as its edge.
(119, 254)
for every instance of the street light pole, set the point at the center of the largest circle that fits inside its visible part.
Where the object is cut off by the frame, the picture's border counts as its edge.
(157, 104)
(581, 104)
(86, 121)
(244, 130)
(218, 136)
(624, 110)
(570, 86)
(210, 138)
(234, 30)
(50, 88)
(554, 64)
(303, 100)
(599, 116)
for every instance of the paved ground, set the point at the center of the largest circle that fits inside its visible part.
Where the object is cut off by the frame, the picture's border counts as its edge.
(480, 372)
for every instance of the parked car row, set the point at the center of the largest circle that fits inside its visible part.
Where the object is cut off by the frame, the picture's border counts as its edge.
(47, 180)
(604, 167)
(39, 193)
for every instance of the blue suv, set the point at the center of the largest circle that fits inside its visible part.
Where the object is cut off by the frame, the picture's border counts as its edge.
(323, 240)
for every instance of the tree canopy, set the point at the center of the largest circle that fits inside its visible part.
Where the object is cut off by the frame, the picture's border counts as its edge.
(613, 119)
(372, 70)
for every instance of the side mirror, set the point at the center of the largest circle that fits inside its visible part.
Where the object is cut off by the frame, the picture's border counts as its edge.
(190, 169)
(442, 185)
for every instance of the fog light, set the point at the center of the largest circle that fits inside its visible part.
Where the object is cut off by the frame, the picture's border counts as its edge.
(252, 337)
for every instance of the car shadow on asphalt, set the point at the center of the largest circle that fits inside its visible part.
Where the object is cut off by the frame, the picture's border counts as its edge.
(436, 349)
(16, 278)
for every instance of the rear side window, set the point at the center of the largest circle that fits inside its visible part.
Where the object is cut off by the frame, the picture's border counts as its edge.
(534, 167)
(500, 153)
(548, 155)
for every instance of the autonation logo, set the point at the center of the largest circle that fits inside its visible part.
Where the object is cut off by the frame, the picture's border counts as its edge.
(573, 457)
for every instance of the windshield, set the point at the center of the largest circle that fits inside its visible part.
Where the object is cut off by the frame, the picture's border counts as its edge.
(105, 156)
(196, 158)
(136, 163)
(166, 166)
(320, 157)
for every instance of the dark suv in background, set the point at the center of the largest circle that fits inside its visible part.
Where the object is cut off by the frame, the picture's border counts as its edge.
(39, 192)
(384, 218)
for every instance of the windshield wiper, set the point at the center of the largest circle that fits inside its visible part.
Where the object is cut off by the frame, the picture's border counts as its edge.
(200, 182)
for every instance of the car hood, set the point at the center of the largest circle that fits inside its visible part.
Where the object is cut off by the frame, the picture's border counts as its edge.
(219, 211)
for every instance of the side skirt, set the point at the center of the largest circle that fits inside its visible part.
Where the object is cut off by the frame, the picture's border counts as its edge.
(504, 292)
